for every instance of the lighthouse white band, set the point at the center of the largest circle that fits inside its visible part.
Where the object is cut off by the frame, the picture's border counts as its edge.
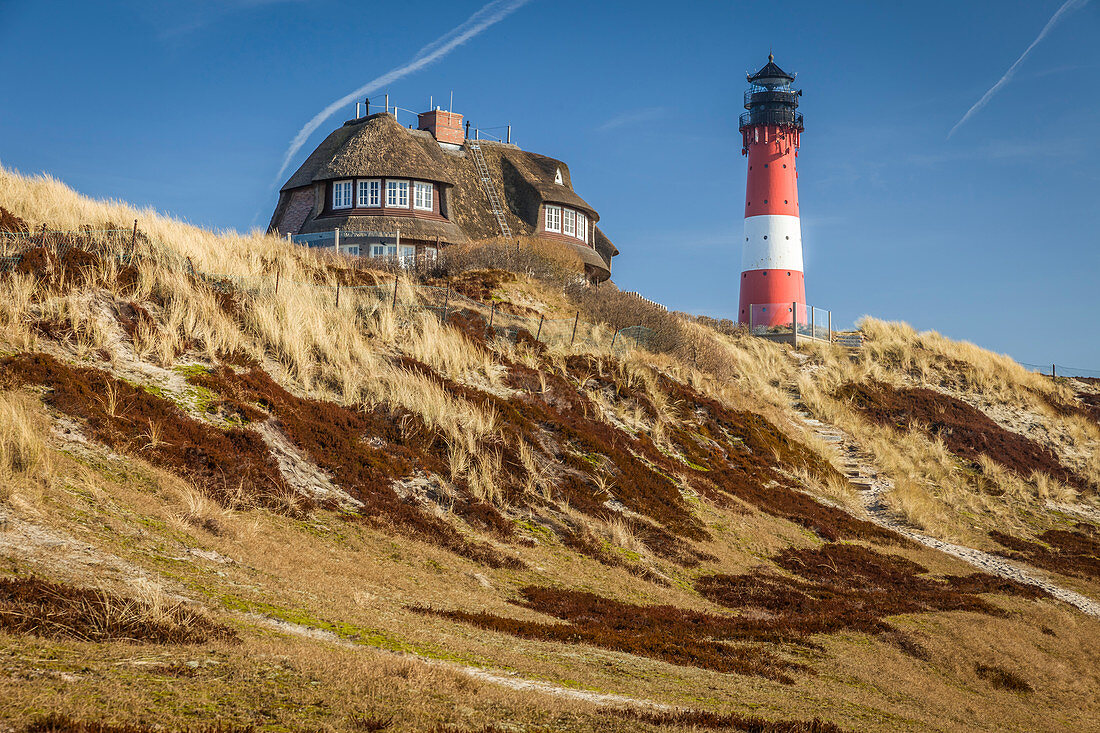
(772, 242)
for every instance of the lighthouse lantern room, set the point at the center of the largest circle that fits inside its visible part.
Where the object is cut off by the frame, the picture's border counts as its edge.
(772, 281)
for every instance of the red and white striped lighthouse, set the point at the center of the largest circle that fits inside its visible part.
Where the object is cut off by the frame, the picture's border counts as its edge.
(771, 260)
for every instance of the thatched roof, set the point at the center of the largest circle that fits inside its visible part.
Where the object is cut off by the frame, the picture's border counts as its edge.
(373, 146)
(378, 147)
(411, 227)
(604, 245)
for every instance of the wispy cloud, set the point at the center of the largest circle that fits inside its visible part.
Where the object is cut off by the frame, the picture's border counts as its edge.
(203, 14)
(633, 117)
(994, 150)
(1067, 7)
(488, 15)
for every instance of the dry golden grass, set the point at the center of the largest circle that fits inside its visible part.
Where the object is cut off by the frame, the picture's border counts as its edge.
(24, 455)
(324, 573)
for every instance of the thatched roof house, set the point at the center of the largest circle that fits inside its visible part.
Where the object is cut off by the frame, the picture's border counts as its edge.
(372, 178)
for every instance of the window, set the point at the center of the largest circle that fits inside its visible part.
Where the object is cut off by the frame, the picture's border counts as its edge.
(352, 249)
(422, 196)
(582, 227)
(378, 250)
(370, 193)
(569, 222)
(553, 218)
(397, 194)
(430, 253)
(341, 195)
(557, 177)
(408, 255)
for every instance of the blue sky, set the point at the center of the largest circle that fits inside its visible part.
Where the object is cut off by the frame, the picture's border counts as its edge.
(990, 235)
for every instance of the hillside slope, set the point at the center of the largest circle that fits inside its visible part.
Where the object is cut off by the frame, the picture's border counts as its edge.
(231, 497)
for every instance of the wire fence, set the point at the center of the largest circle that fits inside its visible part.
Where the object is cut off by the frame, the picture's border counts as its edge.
(1060, 370)
(31, 251)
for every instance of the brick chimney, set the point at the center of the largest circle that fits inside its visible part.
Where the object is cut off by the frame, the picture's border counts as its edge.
(446, 127)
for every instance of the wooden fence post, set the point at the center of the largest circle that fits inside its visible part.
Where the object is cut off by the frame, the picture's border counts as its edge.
(613, 340)
(794, 324)
(394, 305)
(813, 323)
(830, 327)
(1054, 371)
(574, 336)
(537, 335)
(278, 272)
(446, 302)
(492, 314)
(337, 293)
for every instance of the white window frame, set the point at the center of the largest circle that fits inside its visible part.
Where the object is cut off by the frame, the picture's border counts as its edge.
(407, 254)
(582, 227)
(370, 193)
(352, 249)
(569, 222)
(430, 253)
(397, 194)
(378, 250)
(553, 218)
(341, 194)
(423, 196)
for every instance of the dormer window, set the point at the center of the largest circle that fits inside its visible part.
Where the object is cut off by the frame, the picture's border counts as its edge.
(557, 177)
(341, 195)
(553, 218)
(422, 196)
(397, 194)
(582, 227)
(569, 222)
(370, 193)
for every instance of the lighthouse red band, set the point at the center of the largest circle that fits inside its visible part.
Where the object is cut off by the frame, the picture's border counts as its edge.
(772, 277)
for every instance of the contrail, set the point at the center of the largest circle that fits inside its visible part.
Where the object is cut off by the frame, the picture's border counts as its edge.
(488, 15)
(1067, 7)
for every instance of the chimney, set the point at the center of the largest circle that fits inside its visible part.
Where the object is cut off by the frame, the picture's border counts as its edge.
(446, 127)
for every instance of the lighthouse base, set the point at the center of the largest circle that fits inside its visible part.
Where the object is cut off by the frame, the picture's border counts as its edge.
(767, 297)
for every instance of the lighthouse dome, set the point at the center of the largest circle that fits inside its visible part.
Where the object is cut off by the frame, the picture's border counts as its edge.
(770, 75)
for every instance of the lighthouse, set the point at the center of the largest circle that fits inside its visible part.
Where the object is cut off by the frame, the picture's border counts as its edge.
(772, 280)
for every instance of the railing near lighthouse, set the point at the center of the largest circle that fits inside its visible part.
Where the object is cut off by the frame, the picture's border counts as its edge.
(793, 323)
(777, 117)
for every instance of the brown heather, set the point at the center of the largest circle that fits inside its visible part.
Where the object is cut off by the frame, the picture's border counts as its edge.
(1062, 551)
(233, 466)
(835, 588)
(967, 432)
(365, 450)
